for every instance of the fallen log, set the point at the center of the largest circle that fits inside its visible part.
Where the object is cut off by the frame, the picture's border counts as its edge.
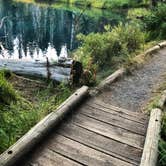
(152, 50)
(162, 44)
(113, 77)
(59, 71)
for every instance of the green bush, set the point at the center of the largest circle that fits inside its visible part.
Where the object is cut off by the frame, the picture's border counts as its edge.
(138, 13)
(130, 35)
(100, 48)
(155, 22)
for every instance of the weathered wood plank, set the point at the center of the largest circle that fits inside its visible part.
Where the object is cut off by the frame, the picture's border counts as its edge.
(150, 152)
(118, 109)
(83, 154)
(23, 145)
(109, 131)
(96, 104)
(114, 120)
(47, 157)
(109, 146)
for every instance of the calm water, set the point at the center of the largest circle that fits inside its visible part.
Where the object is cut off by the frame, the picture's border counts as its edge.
(36, 31)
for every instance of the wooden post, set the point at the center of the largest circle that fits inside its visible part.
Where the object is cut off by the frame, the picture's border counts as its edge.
(150, 152)
(48, 69)
(76, 72)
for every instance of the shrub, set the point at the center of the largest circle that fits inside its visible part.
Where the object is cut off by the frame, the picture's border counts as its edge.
(155, 22)
(131, 35)
(100, 48)
(138, 13)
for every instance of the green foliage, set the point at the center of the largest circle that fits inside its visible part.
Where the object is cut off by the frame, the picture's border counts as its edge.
(7, 93)
(162, 153)
(102, 4)
(155, 22)
(130, 35)
(138, 13)
(100, 48)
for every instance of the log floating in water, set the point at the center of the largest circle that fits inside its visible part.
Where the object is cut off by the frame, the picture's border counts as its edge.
(59, 71)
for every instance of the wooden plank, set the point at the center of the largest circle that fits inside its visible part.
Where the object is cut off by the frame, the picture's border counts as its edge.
(114, 120)
(49, 158)
(30, 139)
(115, 110)
(82, 153)
(116, 113)
(150, 152)
(143, 116)
(109, 131)
(101, 143)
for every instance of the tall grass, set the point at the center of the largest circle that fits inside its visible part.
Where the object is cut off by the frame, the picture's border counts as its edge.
(17, 117)
(7, 93)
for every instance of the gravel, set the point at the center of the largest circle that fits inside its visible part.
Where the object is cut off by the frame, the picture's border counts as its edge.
(133, 92)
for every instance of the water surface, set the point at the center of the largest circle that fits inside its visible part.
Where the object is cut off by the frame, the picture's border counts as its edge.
(36, 31)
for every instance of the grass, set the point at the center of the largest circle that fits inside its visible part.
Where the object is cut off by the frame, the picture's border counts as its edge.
(7, 93)
(17, 117)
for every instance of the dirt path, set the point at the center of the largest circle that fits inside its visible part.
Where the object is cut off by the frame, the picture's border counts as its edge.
(133, 92)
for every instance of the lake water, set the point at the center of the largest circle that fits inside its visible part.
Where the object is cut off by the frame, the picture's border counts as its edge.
(38, 30)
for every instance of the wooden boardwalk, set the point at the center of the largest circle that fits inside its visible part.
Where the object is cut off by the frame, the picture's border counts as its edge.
(96, 134)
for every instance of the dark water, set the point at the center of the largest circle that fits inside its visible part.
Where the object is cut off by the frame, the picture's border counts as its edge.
(37, 30)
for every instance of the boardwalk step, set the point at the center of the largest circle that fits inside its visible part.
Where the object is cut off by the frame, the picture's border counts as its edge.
(109, 131)
(114, 119)
(135, 116)
(108, 146)
(82, 153)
